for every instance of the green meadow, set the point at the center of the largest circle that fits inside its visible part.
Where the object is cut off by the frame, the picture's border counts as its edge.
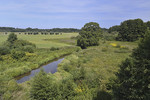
(46, 41)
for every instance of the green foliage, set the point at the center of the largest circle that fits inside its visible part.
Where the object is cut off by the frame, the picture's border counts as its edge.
(115, 28)
(12, 37)
(82, 42)
(89, 35)
(66, 89)
(109, 37)
(20, 62)
(21, 43)
(11, 29)
(7, 87)
(131, 30)
(15, 54)
(1, 59)
(28, 48)
(104, 49)
(148, 24)
(42, 87)
(54, 48)
(4, 50)
(133, 78)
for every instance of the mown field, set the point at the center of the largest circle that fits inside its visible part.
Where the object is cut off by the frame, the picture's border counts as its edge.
(46, 41)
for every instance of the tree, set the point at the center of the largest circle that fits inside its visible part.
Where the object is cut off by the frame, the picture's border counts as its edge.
(12, 37)
(89, 35)
(114, 28)
(131, 30)
(133, 81)
(148, 24)
(42, 88)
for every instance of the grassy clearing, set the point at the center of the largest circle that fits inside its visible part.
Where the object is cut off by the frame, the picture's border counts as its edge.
(41, 40)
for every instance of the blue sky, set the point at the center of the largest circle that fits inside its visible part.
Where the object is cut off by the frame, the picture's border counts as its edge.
(70, 13)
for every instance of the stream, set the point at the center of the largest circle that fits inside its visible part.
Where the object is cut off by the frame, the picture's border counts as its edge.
(49, 68)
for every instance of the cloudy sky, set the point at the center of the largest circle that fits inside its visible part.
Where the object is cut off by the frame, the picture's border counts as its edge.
(70, 13)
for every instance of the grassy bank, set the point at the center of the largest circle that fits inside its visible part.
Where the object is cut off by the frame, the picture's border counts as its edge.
(14, 67)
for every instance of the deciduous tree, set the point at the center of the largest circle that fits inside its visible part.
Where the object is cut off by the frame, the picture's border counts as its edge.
(89, 35)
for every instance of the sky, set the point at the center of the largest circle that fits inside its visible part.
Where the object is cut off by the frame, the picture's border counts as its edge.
(46, 14)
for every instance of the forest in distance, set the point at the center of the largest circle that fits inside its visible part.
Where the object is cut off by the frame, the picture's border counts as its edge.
(98, 64)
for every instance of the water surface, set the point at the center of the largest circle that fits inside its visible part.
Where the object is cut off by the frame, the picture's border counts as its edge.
(49, 68)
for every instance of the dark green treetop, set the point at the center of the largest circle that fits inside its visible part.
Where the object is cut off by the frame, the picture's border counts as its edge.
(12, 37)
(148, 24)
(131, 30)
(89, 35)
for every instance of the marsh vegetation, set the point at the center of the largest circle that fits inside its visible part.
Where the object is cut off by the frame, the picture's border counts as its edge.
(104, 69)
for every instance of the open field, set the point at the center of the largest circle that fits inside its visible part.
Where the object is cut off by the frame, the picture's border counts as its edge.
(46, 41)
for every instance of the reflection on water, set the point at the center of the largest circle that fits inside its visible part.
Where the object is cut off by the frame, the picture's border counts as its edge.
(51, 67)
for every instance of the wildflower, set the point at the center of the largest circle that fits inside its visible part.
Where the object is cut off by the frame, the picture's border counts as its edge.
(113, 44)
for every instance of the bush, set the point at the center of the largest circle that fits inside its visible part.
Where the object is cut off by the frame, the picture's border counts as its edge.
(12, 38)
(54, 48)
(42, 88)
(28, 48)
(21, 43)
(1, 59)
(4, 50)
(17, 54)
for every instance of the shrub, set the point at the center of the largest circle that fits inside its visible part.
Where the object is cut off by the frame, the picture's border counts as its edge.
(1, 59)
(28, 48)
(12, 37)
(21, 43)
(54, 48)
(17, 54)
(42, 87)
(4, 50)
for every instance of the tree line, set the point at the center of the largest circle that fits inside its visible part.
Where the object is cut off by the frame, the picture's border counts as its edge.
(130, 30)
(11, 29)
